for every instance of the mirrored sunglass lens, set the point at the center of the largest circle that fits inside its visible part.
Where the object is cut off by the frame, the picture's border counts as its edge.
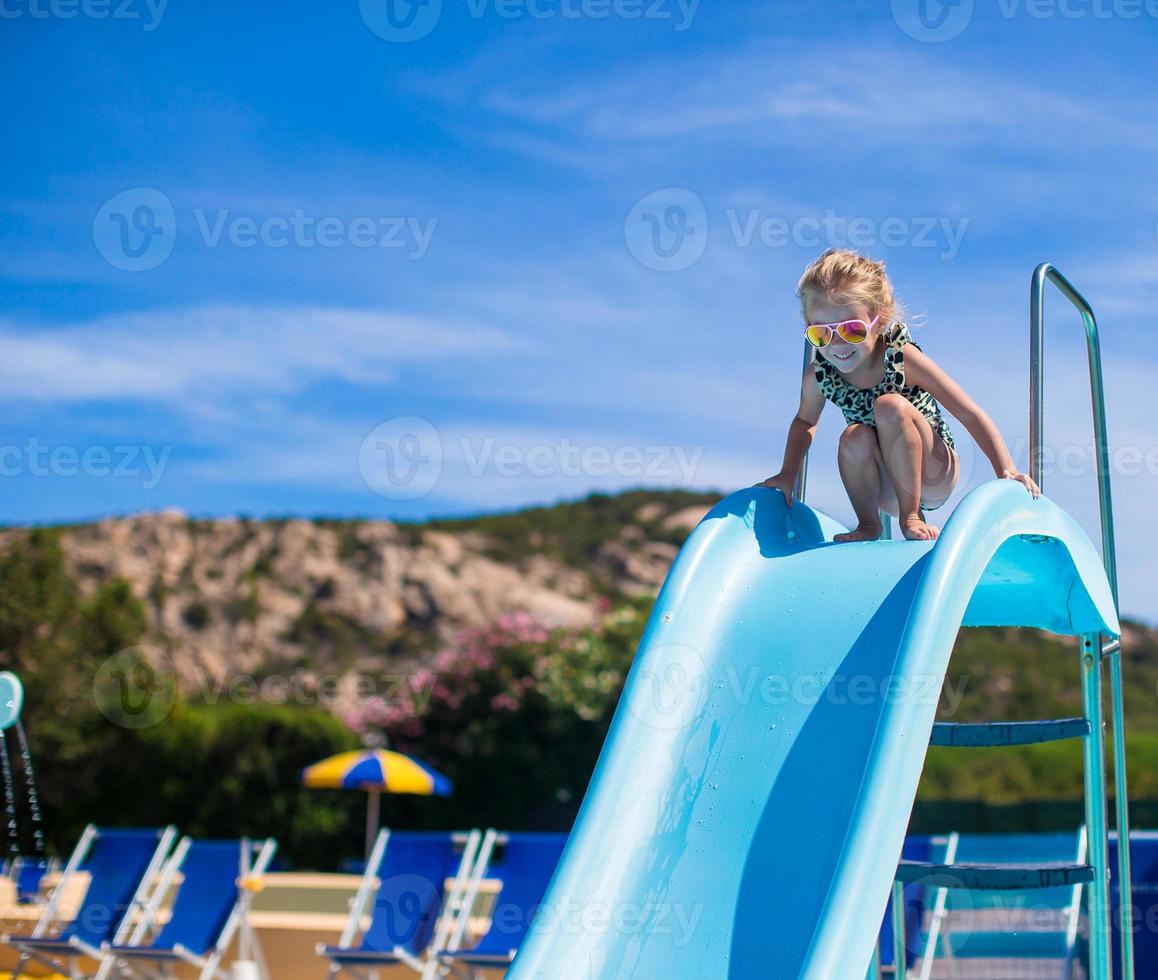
(854, 331)
(817, 336)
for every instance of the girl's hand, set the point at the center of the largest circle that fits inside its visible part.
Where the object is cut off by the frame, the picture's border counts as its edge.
(1024, 480)
(781, 482)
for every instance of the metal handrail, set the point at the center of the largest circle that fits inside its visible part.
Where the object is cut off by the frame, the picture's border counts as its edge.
(1041, 274)
(1044, 273)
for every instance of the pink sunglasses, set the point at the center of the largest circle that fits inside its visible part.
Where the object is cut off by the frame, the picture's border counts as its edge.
(851, 331)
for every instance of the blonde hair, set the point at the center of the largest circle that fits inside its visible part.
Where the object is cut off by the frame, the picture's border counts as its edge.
(846, 277)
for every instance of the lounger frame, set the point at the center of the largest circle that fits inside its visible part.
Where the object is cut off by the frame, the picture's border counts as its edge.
(447, 963)
(142, 966)
(64, 960)
(476, 853)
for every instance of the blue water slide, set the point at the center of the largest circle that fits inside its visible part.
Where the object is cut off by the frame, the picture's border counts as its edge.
(749, 806)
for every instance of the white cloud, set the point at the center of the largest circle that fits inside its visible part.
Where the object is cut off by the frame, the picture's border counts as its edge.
(183, 356)
(761, 93)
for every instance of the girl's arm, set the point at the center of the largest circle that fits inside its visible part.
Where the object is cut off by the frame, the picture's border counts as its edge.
(800, 433)
(923, 371)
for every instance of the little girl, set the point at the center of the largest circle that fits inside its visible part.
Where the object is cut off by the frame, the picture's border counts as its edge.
(897, 453)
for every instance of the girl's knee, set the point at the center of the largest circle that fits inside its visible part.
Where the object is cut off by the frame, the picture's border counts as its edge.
(890, 407)
(858, 441)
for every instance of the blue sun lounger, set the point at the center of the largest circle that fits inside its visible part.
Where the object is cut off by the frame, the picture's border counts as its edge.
(26, 874)
(413, 908)
(1035, 929)
(211, 904)
(1143, 892)
(921, 902)
(123, 866)
(524, 870)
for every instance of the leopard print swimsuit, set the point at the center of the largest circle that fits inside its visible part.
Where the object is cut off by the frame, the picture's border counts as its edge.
(857, 403)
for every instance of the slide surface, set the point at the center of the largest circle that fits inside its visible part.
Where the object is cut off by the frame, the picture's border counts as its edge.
(748, 809)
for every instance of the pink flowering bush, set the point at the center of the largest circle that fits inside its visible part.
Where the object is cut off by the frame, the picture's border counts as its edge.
(513, 712)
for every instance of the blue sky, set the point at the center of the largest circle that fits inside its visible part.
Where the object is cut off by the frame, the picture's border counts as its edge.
(288, 258)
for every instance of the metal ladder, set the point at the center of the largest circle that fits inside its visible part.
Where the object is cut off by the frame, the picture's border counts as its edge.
(1094, 651)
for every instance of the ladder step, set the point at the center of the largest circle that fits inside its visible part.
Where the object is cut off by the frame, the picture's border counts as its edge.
(992, 733)
(994, 877)
(1024, 944)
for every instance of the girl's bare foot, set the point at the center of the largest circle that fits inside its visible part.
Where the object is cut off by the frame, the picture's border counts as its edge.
(863, 532)
(915, 529)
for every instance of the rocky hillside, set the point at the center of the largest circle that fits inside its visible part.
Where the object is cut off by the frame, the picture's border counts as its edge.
(256, 596)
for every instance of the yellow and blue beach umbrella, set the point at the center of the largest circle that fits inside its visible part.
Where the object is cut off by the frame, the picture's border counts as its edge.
(376, 771)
